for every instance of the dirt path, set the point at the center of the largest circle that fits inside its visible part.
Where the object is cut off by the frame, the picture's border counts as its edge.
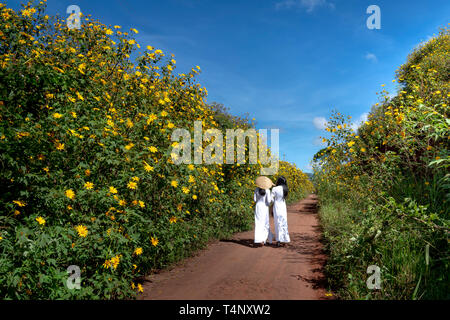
(234, 269)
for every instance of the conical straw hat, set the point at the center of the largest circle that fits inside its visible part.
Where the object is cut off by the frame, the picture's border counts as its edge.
(263, 182)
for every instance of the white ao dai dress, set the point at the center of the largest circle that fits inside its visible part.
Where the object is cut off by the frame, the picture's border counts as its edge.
(280, 215)
(262, 226)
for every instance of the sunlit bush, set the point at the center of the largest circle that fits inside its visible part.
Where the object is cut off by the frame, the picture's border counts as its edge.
(400, 154)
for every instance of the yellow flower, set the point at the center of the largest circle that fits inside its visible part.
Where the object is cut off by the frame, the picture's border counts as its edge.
(173, 220)
(134, 30)
(70, 194)
(19, 203)
(82, 68)
(140, 289)
(129, 123)
(351, 143)
(191, 179)
(60, 146)
(112, 190)
(194, 197)
(28, 12)
(164, 114)
(191, 167)
(141, 204)
(363, 149)
(79, 96)
(155, 241)
(82, 231)
(57, 115)
(138, 251)
(153, 149)
(89, 185)
(129, 146)
(40, 220)
(152, 117)
(107, 264)
(185, 190)
(115, 261)
(174, 183)
(147, 167)
(132, 185)
(170, 125)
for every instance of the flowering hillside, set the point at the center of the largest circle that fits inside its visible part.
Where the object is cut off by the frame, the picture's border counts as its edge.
(385, 189)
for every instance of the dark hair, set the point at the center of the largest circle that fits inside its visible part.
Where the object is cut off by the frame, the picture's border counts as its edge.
(261, 191)
(283, 182)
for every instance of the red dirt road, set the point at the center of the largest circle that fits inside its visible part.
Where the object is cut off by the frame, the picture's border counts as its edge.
(234, 269)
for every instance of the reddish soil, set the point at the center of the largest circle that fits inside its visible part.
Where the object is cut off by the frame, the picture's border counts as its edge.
(235, 269)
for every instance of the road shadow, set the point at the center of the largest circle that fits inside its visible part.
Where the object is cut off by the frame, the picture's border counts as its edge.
(304, 248)
(315, 282)
(243, 242)
(307, 208)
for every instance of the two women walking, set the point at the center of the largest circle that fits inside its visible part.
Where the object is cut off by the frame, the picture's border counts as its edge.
(263, 197)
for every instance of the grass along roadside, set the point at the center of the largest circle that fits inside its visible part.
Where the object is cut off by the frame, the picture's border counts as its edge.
(408, 253)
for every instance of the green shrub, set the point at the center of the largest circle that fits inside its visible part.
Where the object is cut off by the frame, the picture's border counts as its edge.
(392, 176)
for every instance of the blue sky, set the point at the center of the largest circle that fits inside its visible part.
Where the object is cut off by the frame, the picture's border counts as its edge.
(287, 63)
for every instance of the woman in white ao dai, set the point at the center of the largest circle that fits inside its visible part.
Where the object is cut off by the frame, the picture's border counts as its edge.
(279, 194)
(263, 198)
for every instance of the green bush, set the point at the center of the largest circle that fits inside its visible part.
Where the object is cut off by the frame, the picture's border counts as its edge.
(392, 176)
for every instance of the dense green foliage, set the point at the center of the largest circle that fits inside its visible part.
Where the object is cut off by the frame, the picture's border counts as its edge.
(385, 189)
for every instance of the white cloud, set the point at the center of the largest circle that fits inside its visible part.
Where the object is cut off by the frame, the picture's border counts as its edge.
(309, 5)
(320, 123)
(371, 57)
(358, 123)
